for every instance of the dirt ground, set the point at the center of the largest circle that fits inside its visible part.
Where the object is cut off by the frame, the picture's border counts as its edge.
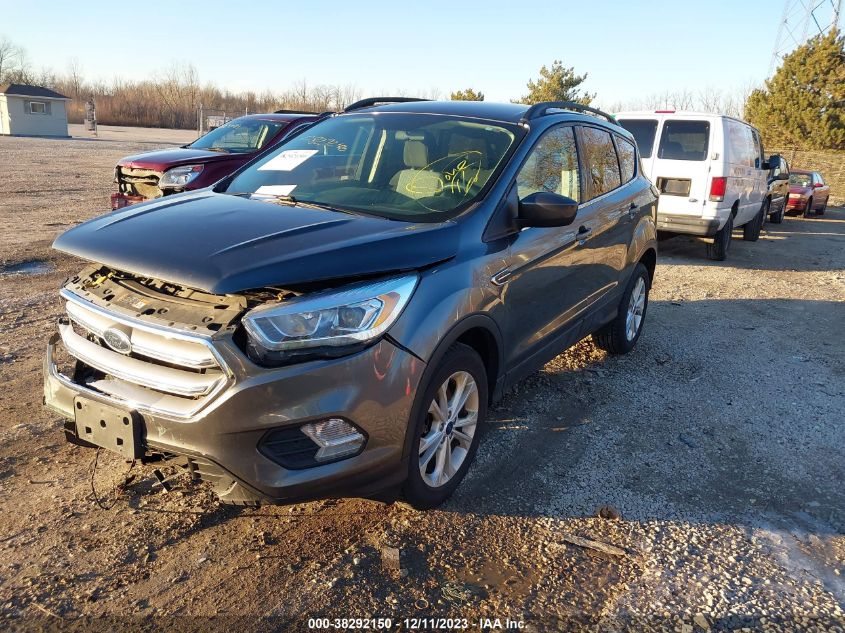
(720, 441)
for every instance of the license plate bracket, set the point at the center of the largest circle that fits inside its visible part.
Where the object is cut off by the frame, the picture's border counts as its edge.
(112, 428)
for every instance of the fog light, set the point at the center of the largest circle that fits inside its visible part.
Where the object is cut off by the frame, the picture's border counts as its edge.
(335, 437)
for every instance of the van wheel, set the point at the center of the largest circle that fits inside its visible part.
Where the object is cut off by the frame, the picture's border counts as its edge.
(808, 208)
(751, 230)
(777, 218)
(718, 249)
(446, 428)
(620, 335)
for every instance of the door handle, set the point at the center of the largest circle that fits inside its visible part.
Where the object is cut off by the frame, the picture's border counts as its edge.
(584, 233)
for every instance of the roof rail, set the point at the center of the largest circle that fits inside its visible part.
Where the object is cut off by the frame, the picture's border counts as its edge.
(371, 101)
(541, 109)
(294, 112)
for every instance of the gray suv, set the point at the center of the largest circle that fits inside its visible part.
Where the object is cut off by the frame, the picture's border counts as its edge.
(336, 317)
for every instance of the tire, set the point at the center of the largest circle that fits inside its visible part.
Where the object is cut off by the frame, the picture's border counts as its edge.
(777, 218)
(419, 488)
(823, 209)
(751, 230)
(621, 335)
(808, 209)
(718, 249)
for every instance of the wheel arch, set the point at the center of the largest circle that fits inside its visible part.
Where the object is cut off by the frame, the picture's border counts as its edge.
(477, 331)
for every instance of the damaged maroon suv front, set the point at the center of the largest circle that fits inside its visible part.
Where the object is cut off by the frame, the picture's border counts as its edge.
(205, 161)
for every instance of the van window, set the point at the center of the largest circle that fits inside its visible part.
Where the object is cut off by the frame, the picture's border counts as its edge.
(684, 140)
(644, 131)
(742, 148)
(552, 166)
(627, 158)
(599, 160)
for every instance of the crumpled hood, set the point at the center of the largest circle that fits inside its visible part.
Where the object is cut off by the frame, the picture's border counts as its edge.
(227, 244)
(164, 159)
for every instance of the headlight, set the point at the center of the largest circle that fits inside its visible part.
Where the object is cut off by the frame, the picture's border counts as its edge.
(352, 315)
(179, 176)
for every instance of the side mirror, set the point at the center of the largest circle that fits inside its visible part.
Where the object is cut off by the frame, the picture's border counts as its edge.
(817, 185)
(545, 209)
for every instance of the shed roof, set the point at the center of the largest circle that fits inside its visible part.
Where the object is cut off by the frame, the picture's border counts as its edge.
(23, 90)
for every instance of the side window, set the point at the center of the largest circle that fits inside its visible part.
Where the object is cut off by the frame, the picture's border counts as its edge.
(599, 160)
(758, 149)
(552, 166)
(627, 158)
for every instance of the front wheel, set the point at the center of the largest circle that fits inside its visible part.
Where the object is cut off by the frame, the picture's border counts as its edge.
(620, 335)
(822, 209)
(808, 209)
(454, 405)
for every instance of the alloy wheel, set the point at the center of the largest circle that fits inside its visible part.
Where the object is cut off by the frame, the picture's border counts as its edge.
(450, 426)
(636, 307)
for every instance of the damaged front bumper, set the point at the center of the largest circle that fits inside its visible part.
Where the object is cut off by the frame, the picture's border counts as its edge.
(372, 389)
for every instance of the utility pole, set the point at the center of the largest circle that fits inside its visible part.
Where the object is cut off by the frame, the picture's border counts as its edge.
(802, 20)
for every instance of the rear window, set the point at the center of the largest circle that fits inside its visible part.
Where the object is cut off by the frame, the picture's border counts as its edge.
(627, 158)
(643, 131)
(684, 140)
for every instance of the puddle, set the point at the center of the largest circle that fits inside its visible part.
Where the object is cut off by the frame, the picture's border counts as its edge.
(31, 267)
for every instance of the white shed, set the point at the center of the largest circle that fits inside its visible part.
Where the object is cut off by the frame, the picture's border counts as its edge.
(32, 111)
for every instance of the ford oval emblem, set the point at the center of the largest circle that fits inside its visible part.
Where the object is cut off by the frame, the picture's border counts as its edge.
(118, 340)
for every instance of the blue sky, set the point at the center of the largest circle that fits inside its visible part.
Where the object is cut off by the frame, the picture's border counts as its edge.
(629, 49)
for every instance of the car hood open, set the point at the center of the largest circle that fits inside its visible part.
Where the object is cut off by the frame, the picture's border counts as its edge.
(227, 244)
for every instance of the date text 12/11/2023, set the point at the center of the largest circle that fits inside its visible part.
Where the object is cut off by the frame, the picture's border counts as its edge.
(415, 624)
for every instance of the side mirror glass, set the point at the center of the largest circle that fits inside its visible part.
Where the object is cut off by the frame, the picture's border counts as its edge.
(545, 209)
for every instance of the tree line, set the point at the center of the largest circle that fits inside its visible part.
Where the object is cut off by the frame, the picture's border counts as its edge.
(801, 105)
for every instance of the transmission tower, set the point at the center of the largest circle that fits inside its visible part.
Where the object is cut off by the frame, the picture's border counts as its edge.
(803, 19)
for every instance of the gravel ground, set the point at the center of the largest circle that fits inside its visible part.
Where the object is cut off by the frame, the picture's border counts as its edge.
(713, 453)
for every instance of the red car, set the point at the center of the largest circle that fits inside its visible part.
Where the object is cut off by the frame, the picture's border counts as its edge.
(206, 160)
(807, 192)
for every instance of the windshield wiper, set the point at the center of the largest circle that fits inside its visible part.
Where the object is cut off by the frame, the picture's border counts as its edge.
(215, 149)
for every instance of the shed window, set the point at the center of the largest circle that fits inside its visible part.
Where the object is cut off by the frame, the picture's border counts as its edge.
(39, 107)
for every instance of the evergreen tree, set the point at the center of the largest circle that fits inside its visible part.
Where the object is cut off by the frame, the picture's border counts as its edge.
(467, 95)
(803, 103)
(557, 84)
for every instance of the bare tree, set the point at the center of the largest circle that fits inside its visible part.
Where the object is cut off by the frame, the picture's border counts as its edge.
(9, 54)
(74, 76)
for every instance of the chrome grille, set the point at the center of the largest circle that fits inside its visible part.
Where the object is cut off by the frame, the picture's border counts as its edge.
(165, 371)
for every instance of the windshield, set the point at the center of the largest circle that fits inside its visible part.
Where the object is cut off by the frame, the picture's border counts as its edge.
(800, 180)
(416, 167)
(239, 136)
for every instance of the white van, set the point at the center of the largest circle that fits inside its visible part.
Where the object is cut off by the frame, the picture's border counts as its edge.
(710, 172)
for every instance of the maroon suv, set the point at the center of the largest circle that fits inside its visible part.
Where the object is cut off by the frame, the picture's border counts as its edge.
(206, 160)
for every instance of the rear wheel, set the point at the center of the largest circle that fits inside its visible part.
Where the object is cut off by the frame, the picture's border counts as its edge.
(808, 209)
(445, 431)
(620, 335)
(751, 230)
(777, 218)
(718, 249)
